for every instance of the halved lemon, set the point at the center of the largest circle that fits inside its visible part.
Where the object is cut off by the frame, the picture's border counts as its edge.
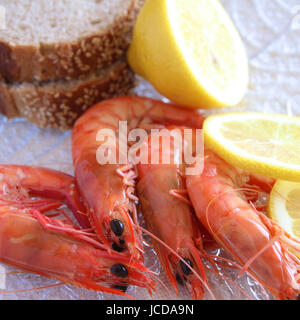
(268, 144)
(191, 52)
(284, 206)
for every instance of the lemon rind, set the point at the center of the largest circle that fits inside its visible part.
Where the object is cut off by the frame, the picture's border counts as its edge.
(240, 158)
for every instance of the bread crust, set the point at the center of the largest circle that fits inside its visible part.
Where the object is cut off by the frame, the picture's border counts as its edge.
(69, 60)
(57, 105)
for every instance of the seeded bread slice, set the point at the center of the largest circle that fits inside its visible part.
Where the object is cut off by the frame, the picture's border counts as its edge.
(57, 104)
(63, 39)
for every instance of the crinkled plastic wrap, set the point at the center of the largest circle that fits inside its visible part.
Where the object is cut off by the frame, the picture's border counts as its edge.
(271, 33)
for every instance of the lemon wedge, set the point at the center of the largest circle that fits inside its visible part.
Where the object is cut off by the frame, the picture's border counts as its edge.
(191, 52)
(284, 206)
(267, 144)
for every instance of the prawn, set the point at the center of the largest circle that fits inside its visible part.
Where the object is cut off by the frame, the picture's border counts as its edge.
(256, 242)
(108, 190)
(34, 242)
(65, 256)
(18, 182)
(169, 216)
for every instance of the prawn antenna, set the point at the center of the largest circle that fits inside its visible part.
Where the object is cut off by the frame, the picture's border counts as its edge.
(179, 257)
(32, 289)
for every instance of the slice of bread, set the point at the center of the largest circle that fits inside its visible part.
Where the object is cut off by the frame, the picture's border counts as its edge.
(63, 39)
(57, 104)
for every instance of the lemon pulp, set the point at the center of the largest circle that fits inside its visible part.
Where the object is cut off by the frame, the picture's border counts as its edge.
(284, 207)
(267, 144)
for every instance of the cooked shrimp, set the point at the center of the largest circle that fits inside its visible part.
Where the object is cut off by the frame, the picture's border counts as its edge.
(109, 190)
(64, 255)
(169, 216)
(255, 241)
(34, 241)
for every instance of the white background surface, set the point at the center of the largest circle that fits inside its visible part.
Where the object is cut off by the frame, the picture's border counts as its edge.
(271, 33)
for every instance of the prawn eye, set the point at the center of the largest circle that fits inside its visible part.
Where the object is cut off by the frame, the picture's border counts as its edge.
(117, 227)
(117, 248)
(179, 279)
(185, 269)
(119, 270)
(121, 288)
